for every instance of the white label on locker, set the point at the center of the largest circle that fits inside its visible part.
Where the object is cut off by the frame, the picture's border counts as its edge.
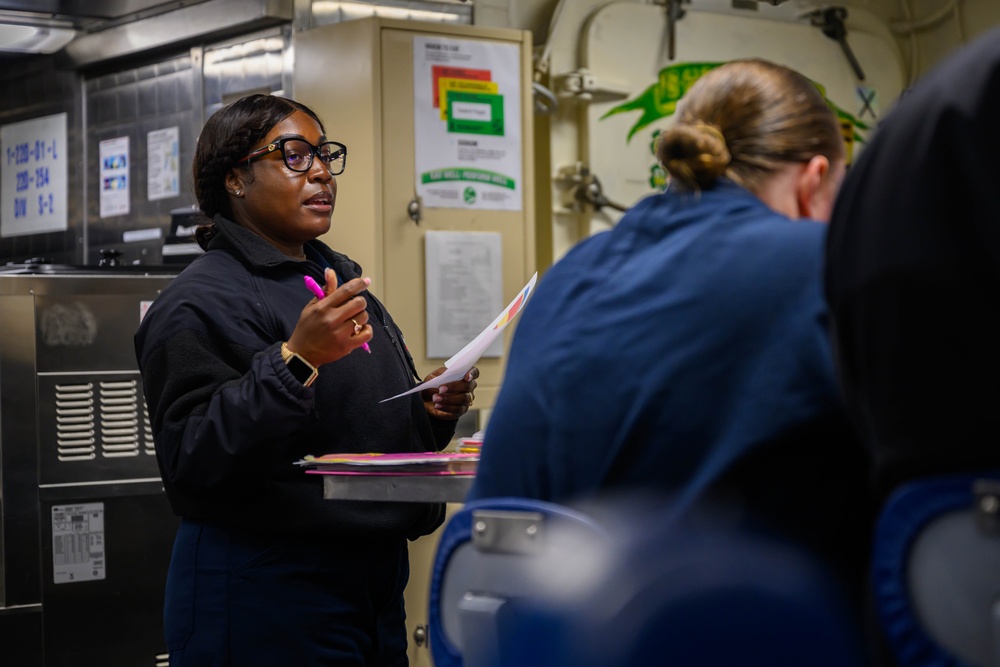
(78, 543)
(471, 111)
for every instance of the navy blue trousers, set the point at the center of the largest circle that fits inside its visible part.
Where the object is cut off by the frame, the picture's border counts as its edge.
(236, 599)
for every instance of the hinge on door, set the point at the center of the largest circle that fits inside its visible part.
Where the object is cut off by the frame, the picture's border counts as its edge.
(583, 86)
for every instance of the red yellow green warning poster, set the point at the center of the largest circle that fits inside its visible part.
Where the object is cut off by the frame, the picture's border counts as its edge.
(467, 123)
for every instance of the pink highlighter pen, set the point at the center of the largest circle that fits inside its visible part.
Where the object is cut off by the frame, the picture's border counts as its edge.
(319, 293)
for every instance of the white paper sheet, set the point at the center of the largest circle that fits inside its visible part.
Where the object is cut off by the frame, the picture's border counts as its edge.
(467, 357)
(163, 163)
(33, 155)
(464, 287)
(114, 177)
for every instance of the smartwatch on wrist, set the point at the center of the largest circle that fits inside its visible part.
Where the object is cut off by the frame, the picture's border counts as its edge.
(303, 371)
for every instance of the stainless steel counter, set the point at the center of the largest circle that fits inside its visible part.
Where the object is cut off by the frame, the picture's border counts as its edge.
(403, 488)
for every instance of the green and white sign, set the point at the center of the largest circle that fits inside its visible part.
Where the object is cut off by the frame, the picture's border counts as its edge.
(475, 113)
(467, 123)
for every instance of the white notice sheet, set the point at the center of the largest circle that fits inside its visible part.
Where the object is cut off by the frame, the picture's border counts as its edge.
(114, 177)
(78, 543)
(464, 288)
(33, 176)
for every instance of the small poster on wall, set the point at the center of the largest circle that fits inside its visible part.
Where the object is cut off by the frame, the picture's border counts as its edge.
(464, 274)
(114, 177)
(33, 176)
(467, 123)
(163, 177)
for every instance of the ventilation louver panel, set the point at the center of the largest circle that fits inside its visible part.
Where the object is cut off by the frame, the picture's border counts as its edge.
(119, 406)
(75, 422)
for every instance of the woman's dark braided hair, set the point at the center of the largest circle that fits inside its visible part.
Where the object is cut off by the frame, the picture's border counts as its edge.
(229, 135)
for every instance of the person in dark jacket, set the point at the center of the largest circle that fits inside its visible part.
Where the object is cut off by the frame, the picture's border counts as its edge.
(245, 372)
(913, 276)
(685, 352)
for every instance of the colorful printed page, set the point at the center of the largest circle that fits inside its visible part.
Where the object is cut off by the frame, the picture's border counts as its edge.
(418, 463)
(395, 472)
(467, 357)
(384, 459)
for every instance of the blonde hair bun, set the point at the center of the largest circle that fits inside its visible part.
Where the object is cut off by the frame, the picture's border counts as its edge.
(747, 120)
(695, 154)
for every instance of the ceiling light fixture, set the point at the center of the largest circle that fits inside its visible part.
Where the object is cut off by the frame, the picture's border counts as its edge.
(33, 39)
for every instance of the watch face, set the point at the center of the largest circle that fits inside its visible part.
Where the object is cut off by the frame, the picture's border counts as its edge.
(301, 369)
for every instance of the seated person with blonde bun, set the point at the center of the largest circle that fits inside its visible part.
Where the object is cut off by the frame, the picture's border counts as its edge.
(685, 352)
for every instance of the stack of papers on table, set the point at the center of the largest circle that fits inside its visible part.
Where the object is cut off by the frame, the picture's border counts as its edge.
(472, 444)
(375, 463)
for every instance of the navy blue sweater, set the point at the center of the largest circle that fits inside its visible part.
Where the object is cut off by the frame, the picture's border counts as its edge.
(685, 352)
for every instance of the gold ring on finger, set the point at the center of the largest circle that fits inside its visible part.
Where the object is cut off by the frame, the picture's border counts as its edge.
(357, 327)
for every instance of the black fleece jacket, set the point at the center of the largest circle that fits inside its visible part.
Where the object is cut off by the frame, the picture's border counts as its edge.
(229, 419)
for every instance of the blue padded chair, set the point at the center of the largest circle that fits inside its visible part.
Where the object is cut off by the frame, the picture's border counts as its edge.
(936, 572)
(494, 555)
(525, 583)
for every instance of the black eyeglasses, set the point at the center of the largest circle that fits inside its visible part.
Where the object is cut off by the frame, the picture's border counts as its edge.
(298, 154)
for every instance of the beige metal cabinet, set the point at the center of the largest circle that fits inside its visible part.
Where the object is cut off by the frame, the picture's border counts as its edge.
(358, 76)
